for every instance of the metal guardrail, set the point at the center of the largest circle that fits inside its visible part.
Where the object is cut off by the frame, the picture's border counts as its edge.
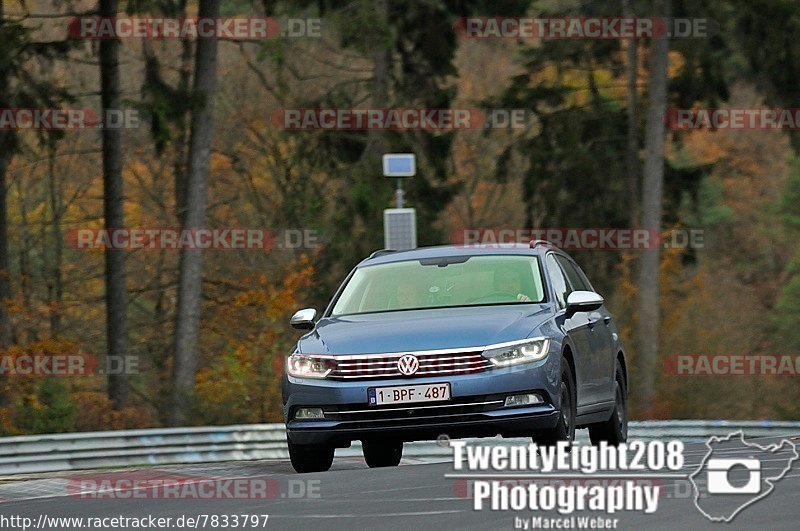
(80, 451)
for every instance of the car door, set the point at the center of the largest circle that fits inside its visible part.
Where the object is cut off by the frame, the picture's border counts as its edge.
(575, 327)
(601, 362)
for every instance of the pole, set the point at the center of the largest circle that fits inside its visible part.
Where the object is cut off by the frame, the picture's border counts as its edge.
(399, 193)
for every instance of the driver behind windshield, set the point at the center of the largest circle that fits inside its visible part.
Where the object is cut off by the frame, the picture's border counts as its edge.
(507, 280)
(408, 296)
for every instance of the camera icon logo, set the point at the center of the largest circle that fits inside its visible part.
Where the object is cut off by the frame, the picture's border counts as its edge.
(730, 478)
(719, 476)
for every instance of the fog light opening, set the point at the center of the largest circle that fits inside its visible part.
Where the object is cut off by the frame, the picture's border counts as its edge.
(309, 413)
(523, 400)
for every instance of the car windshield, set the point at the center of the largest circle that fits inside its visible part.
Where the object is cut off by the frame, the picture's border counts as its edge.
(442, 282)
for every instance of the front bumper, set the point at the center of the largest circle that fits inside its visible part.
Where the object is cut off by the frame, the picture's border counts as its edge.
(476, 408)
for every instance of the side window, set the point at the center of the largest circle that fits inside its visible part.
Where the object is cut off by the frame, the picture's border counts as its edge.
(560, 286)
(578, 281)
(582, 275)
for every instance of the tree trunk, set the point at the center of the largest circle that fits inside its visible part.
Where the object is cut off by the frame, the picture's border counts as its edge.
(25, 265)
(56, 294)
(376, 139)
(380, 57)
(6, 149)
(180, 169)
(187, 328)
(116, 292)
(5, 280)
(647, 325)
(632, 144)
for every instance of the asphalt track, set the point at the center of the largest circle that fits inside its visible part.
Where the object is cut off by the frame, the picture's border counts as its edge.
(414, 496)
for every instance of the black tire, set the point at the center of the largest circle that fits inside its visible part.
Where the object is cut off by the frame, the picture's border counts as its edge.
(564, 430)
(615, 430)
(379, 454)
(310, 457)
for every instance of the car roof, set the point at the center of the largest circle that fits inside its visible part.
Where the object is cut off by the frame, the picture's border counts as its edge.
(386, 256)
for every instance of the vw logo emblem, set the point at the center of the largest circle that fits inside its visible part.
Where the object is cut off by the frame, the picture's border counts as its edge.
(408, 364)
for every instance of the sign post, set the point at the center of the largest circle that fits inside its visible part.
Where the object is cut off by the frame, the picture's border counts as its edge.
(399, 224)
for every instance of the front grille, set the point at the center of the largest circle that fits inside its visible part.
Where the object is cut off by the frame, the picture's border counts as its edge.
(430, 364)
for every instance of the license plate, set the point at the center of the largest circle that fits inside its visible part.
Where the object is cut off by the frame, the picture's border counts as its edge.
(408, 394)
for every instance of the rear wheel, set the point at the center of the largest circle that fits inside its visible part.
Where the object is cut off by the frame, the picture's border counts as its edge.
(564, 430)
(310, 457)
(615, 430)
(382, 453)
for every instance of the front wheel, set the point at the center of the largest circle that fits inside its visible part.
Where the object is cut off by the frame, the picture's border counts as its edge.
(310, 457)
(382, 453)
(564, 430)
(615, 430)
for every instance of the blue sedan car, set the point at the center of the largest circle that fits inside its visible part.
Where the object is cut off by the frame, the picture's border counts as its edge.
(456, 341)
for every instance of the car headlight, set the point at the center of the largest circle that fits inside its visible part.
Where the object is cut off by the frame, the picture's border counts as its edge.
(533, 350)
(309, 366)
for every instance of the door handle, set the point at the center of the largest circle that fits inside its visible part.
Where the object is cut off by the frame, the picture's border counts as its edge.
(591, 324)
(607, 320)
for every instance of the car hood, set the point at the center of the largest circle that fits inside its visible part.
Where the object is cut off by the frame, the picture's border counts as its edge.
(403, 331)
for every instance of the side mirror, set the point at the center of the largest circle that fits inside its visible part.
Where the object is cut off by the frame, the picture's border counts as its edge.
(583, 301)
(303, 319)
